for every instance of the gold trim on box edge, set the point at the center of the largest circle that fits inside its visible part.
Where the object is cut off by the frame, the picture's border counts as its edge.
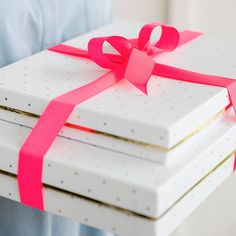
(129, 212)
(135, 142)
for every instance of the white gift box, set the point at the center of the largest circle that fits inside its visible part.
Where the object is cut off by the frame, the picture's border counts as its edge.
(122, 222)
(137, 185)
(122, 118)
(178, 122)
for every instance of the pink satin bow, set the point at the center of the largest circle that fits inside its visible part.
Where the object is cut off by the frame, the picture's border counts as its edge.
(134, 63)
(135, 59)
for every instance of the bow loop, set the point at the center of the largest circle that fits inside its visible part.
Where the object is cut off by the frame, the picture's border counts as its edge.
(108, 60)
(167, 42)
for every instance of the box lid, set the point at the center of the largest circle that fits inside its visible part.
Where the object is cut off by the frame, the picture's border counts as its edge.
(172, 111)
(138, 185)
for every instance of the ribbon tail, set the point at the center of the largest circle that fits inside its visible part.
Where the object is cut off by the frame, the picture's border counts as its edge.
(139, 69)
(186, 36)
(81, 53)
(69, 50)
(30, 164)
(234, 167)
(232, 94)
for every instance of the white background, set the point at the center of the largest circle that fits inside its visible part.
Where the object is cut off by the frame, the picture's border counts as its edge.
(142, 10)
(211, 16)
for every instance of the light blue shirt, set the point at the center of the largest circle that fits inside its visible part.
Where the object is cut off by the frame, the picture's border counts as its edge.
(26, 27)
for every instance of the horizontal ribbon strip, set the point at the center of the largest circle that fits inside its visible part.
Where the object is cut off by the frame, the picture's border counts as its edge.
(134, 63)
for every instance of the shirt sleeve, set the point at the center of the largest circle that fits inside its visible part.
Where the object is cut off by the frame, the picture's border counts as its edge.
(28, 26)
(20, 30)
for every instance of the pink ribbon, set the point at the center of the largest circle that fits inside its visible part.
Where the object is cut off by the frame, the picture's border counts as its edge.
(234, 168)
(135, 64)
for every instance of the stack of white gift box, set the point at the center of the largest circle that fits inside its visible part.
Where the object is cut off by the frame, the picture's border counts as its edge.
(125, 162)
